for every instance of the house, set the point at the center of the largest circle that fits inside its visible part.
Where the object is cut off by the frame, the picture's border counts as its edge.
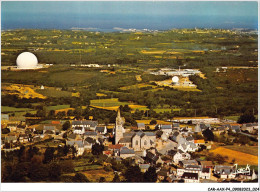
(205, 173)
(190, 177)
(140, 126)
(126, 141)
(225, 172)
(88, 125)
(199, 142)
(138, 159)
(250, 127)
(12, 126)
(166, 128)
(126, 152)
(20, 128)
(115, 149)
(235, 128)
(91, 134)
(144, 167)
(79, 130)
(153, 158)
(74, 137)
(48, 129)
(206, 164)
(176, 126)
(185, 163)
(10, 139)
(176, 137)
(176, 155)
(166, 146)
(162, 174)
(101, 130)
(23, 138)
(80, 146)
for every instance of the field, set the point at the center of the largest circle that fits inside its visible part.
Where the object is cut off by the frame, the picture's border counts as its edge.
(53, 92)
(94, 175)
(252, 150)
(17, 111)
(113, 104)
(22, 91)
(240, 157)
(57, 107)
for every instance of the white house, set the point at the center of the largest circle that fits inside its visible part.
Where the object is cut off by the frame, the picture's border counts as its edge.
(79, 130)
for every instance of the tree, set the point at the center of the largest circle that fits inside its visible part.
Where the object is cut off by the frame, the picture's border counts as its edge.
(54, 172)
(150, 175)
(79, 177)
(49, 154)
(97, 149)
(66, 125)
(153, 122)
(133, 174)
(102, 180)
(5, 131)
(208, 134)
(246, 118)
(116, 178)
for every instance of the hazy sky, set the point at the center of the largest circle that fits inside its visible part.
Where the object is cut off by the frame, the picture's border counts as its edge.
(33, 14)
(229, 8)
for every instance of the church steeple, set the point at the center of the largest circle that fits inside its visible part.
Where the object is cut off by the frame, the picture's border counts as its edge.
(119, 129)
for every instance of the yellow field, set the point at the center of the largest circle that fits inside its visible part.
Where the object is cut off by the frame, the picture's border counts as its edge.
(22, 91)
(241, 158)
(152, 52)
(65, 110)
(141, 85)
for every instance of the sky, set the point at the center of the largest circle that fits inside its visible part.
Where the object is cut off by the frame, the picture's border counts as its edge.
(133, 14)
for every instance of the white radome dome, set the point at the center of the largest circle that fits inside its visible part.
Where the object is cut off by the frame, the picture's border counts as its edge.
(26, 60)
(175, 79)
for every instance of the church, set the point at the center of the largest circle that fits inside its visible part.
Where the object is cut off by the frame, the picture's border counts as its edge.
(135, 140)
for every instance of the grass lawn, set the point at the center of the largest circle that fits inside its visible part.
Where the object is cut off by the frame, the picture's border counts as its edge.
(57, 107)
(252, 150)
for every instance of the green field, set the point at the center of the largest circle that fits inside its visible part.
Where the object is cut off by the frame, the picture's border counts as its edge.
(57, 107)
(52, 92)
(252, 150)
(107, 102)
(5, 109)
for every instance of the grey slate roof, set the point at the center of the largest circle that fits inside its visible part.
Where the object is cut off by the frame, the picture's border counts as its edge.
(92, 133)
(166, 127)
(140, 125)
(128, 134)
(176, 125)
(90, 140)
(125, 150)
(87, 123)
(48, 127)
(100, 129)
(72, 136)
(144, 166)
(149, 134)
(189, 138)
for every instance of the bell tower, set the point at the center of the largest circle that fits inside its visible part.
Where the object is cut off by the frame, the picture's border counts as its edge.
(119, 129)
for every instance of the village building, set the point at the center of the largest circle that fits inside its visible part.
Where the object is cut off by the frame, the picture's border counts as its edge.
(86, 124)
(190, 177)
